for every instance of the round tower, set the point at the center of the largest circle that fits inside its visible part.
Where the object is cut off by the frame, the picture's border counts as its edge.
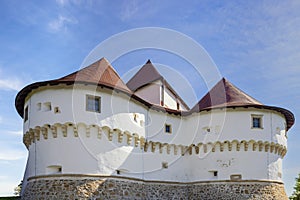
(89, 135)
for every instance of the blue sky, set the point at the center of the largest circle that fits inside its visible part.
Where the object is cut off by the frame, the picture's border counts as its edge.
(254, 44)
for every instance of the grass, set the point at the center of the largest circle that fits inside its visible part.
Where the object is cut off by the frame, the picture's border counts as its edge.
(10, 198)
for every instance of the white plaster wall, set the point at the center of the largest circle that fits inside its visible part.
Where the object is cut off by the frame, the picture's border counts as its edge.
(151, 92)
(91, 155)
(116, 109)
(169, 99)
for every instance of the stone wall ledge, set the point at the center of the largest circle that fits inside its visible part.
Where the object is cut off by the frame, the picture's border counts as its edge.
(97, 176)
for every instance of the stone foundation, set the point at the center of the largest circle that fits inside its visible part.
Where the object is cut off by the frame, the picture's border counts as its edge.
(74, 187)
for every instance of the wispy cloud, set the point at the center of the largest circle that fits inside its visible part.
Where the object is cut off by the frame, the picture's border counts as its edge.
(7, 186)
(20, 132)
(11, 83)
(129, 10)
(61, 23)
(62, 2)
(9, 154)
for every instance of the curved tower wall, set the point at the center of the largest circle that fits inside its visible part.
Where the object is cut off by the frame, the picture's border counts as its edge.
(127, 139)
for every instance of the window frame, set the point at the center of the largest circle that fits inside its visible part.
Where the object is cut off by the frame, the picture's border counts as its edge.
(169, 127)
(94, 98)
(260, 118)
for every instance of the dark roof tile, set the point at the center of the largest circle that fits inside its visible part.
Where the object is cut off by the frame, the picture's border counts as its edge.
(147, 74)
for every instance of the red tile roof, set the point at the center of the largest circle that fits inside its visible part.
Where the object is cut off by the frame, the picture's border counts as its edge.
(100, 72)
(223, 95)
(147, 74)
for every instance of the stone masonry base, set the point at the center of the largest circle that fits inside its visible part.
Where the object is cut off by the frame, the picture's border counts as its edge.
(74, 187)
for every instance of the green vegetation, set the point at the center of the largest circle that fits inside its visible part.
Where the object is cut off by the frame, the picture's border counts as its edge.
(296, 193)
(10, 198)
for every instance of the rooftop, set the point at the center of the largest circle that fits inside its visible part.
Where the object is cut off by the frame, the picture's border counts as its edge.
(223, 95)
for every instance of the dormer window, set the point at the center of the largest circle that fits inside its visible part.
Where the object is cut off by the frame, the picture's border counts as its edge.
(93, 103)
(257, 121)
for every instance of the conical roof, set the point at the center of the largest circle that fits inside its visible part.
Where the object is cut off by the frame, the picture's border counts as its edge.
(147, 74)
(99, 73)
(224, 94)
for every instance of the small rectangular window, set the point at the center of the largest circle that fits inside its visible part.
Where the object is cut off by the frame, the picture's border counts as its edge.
(168, 128)
(47, 106)
(236, 177)
(93, 103)
(213, 173)
(26, 114)
(257, 121)
(54, 169)
(164, 165)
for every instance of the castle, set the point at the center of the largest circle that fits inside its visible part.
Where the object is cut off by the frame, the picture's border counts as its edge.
(91, 136)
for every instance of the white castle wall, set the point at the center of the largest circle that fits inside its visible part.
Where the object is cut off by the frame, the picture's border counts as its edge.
(98, 147)
(151, 92)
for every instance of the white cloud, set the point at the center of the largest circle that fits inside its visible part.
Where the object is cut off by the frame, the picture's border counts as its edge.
(10, 153)
(60, 24)
(129, 10)
(11, 83)
(16, 132)
(7, 187)
(62, 2)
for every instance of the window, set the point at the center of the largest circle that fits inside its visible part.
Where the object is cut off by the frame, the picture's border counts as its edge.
(135, 116)
(235, 177)
(93, 103)
(164, 165)
(257, 121)
(168, 128)
(213, 173)
(47, 106)
(54, 169)
(26, 114)
(56, 110)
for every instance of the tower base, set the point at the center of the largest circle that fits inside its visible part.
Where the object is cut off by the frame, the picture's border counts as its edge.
(113, 187)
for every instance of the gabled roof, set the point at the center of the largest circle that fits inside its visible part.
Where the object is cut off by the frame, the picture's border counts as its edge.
(147, 74)
(99, 73)
(224, 94)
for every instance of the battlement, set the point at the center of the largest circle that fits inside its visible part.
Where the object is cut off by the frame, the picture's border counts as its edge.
(133, 139)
